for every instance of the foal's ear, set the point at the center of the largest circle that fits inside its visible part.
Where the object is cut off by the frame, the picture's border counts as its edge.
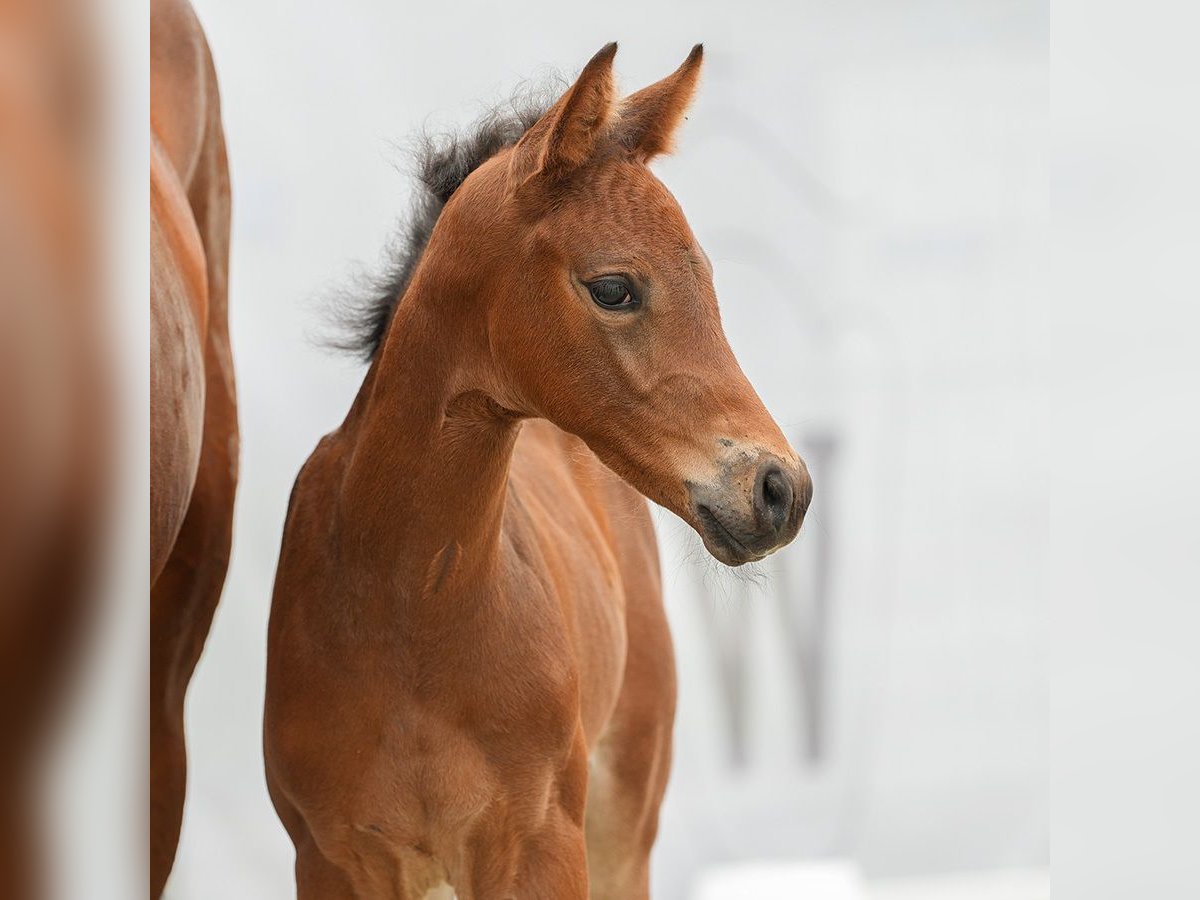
(567, 135)
(648, 119)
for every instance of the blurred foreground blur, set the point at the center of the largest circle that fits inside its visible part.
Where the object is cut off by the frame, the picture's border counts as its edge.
(54, 398)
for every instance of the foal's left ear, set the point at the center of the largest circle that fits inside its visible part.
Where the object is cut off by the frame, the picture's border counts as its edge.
(648, 119)
(567, 135)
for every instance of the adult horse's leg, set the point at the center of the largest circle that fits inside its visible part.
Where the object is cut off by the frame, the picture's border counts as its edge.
(177, 313)
(182, 604)
(185, 594)
(631, 762)
(181, 609)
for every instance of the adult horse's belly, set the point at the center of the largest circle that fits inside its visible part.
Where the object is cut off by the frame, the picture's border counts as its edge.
(178, 312)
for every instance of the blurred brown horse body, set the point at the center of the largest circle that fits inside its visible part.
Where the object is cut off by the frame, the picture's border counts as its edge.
(193, 412)
(470, 679)
(55, 402)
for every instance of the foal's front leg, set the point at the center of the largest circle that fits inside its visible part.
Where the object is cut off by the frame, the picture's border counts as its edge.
(554, 864)
(551, 862)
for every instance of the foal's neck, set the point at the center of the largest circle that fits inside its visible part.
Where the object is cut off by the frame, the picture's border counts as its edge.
(424, 490)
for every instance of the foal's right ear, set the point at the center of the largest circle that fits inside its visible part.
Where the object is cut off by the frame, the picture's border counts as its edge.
(567, 135)
(649, 118)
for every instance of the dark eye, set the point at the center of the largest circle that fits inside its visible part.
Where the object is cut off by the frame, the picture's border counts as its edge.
(612, 293)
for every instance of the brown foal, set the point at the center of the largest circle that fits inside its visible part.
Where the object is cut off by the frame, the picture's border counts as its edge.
(470, 681)
(193, 408)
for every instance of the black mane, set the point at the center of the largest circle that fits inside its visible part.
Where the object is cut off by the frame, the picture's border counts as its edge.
(442, 164)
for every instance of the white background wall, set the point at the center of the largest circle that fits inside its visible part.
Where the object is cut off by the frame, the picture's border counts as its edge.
(872, 175)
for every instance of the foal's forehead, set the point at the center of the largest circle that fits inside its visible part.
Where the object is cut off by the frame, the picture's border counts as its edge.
(630, 186)
(622, 202)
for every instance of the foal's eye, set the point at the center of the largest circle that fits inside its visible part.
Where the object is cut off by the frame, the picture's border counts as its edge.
(612, 293)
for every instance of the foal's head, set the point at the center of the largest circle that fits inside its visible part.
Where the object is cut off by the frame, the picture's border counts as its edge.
(600, 315)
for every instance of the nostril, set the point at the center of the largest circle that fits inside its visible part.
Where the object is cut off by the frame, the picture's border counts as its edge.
(776, 495)
(806, 492)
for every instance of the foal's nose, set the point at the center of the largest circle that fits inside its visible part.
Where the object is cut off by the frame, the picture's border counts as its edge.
(740, 525)
(780, 498)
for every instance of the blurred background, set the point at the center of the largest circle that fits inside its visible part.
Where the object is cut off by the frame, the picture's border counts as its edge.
(866, 716)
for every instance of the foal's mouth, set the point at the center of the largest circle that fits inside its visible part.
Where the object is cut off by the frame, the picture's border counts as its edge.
(738, 553)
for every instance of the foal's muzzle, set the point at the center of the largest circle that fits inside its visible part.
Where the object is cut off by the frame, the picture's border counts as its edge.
(753, 510)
